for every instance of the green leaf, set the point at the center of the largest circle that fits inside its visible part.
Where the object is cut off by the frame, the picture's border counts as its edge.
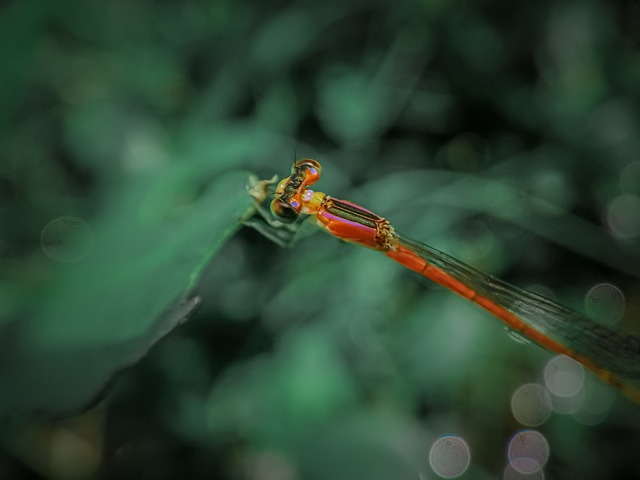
(97, 316)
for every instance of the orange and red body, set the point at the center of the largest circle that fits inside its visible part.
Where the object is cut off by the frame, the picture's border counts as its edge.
(610, 354)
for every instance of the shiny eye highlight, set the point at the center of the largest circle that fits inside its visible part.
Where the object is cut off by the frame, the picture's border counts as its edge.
(284, 212)
(309, 163)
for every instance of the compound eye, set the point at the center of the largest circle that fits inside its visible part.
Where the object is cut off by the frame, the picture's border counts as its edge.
(283, 211)
(309, 163)
(310, 170)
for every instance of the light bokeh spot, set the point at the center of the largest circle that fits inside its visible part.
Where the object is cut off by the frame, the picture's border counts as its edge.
(605, 303)
(630, 178)
(563, 376)
(450, 456)
(569, 404)
(622, 216)
(528, 451)
(531, 404)
(599, 398)
(511, 473)
(67, 239)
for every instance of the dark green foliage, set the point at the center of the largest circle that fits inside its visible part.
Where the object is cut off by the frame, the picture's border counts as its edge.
(503, 133)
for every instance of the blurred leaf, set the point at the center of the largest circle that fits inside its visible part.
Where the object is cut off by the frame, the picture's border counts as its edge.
(103, 313)
(356, 104)
(274, 400)
(375, 446)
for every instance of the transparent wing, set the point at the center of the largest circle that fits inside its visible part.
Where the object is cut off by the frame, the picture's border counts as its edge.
(608, 348)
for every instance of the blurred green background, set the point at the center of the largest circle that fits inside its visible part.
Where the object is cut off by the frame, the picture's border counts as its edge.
(504, 133)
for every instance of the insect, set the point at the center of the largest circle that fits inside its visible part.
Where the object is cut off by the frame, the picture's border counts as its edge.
(611, 355)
